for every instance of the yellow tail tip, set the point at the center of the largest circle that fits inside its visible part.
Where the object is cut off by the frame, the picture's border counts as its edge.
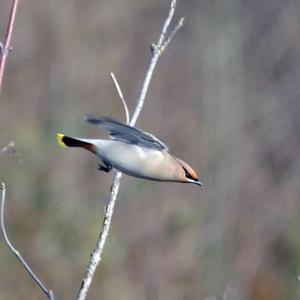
(59, 137)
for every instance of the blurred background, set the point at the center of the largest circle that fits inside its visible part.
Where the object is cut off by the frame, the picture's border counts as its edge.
(224, 97)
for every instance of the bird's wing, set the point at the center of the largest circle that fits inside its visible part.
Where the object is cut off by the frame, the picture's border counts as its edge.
(127, 134)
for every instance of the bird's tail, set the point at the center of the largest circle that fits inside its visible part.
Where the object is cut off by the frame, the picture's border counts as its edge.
(66, 141)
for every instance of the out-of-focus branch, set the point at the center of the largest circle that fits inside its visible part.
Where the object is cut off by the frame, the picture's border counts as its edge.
(112, 75)
(4, 51)
(11, 149)
(95, 257)
(47, 292)
(6, 47)
(10, 146)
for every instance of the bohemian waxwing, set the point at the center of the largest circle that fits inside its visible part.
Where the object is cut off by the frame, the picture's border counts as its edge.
(134, 152)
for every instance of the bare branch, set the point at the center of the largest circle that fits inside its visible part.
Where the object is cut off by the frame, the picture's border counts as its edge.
(48, 293)
(6, 48)
(95, 257)
(168, 41)
(4, 51)
(167, 23)
(156, 54)
(121, 97)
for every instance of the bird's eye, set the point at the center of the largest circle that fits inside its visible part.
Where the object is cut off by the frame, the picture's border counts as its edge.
(187, 174)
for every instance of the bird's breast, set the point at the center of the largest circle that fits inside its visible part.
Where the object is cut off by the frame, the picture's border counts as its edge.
(132, 159)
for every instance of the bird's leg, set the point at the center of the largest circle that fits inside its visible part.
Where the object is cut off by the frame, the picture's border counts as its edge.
(104, 166)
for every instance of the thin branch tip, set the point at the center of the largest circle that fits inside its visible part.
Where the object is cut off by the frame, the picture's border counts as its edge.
(16, 252)
(173, 4)
(120, 93)
(171, 36)
(5, 48)
(181, 21)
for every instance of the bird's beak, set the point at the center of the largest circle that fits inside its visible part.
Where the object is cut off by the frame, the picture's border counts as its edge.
(198, 183)
(195, 181)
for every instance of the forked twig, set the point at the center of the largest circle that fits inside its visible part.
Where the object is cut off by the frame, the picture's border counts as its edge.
(95, 257)
(112, 75)
(6, 47)
(154, 59)
(168, 41)
(47, 292)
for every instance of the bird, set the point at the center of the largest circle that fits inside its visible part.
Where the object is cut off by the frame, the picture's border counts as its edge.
(133, 152)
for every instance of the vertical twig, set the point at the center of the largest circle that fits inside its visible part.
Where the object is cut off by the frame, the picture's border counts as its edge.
(95, 257)
(157, 51)
(47, 292)
(112, 75)
(4, 49)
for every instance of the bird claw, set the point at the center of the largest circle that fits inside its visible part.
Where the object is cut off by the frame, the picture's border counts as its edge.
(105, 167)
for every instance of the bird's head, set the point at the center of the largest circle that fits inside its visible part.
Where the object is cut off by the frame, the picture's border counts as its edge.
(186, 173)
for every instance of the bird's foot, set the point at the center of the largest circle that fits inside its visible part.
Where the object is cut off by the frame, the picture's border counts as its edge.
(105, 167)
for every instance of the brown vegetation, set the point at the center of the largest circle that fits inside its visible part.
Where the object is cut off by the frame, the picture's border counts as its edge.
(225, 97)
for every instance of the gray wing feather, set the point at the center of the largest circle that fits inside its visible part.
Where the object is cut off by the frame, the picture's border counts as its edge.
(127, 134)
